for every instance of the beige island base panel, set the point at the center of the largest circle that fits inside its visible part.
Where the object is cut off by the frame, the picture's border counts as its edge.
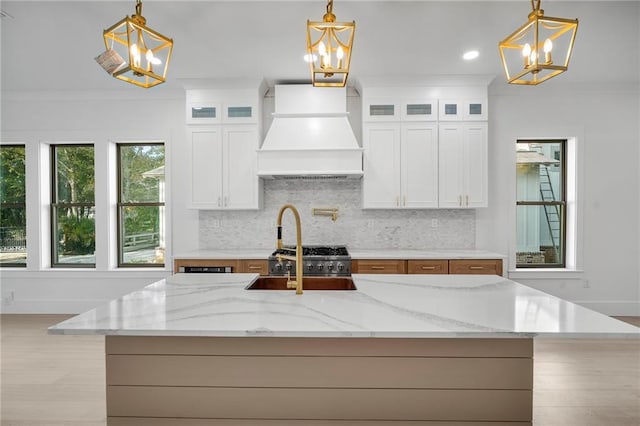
(165, 380)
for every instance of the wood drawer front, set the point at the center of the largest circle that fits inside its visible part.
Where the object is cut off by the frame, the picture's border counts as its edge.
(375, 266)
(428, 266)
(476, 266)
(256, 266)
(234, 263)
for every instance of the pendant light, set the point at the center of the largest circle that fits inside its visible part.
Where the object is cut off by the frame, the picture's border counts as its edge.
(539, 49)
(329, 46)
(136, 53)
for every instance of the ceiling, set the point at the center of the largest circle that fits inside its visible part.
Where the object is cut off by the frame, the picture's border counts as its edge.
(50, 45)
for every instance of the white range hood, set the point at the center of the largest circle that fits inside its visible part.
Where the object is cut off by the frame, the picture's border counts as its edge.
(310, 136)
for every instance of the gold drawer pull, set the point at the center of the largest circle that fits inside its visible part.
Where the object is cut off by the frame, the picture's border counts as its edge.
(378, 268)
(476, 267)
(255, 267)
(428, 268)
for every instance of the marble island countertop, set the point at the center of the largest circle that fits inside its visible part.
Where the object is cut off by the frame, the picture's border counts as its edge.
(261, 253)
(414, 306)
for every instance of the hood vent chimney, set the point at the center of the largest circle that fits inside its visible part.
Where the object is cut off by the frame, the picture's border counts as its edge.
(310, 135)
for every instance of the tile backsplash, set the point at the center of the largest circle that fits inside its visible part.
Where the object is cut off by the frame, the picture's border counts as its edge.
(354, 227)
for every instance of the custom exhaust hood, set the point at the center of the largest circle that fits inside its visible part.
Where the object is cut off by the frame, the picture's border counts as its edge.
(310, 136)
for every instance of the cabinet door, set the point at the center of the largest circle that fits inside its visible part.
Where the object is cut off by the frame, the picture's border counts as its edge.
(255, 266)
(206, 168)
(379, 266)
(419, 164)
(240, 112)
(203, 112)
(476, 110)
(381, 180)
(240, 179)
(450, 148)
(381, 110)
(428, 266)
(450, 110)
(420, 110)
(475, 165)
(476, 266)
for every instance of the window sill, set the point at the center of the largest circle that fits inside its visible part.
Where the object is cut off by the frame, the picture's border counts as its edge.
(82, 273)
(546, 273)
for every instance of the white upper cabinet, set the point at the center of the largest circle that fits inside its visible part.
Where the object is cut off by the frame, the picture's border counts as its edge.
(425, 146)
(381, 109)
(463, 159)
(384, 109)
(419, 160)
(400, 166)
(420, 110)
(462, 110)
(223, 136)
(381, 181)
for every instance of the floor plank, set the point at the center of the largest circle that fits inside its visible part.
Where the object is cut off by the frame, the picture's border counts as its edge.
(58, 380)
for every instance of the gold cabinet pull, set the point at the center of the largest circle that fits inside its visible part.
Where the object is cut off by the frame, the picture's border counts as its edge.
(476, 267)
(255, 267)
(428, 268)
(377, 267)
(460, 200)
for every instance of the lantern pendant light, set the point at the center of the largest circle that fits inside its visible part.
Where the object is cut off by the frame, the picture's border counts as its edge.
(329, 46)
(136, 53)
(539, 49)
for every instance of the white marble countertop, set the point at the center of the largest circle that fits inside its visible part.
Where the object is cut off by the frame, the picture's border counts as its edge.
(354, 253)
(423, 254)
(414, 306)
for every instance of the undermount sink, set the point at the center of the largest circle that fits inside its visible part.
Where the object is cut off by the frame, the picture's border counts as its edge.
(308, 283)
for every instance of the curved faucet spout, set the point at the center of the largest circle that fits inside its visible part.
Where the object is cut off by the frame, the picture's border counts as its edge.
(298, 259)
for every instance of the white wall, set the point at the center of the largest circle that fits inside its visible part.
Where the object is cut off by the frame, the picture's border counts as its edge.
(38, 118)
(604, 121)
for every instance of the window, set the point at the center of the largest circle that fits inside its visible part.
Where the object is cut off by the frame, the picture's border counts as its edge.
(73, 241)
(13, 214)
(541, 203)
(141, 223)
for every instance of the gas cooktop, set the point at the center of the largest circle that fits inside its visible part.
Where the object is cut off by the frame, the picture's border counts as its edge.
(326, 251)
(317, 260)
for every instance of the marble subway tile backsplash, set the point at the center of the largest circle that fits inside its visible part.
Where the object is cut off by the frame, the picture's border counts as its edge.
(355, 227)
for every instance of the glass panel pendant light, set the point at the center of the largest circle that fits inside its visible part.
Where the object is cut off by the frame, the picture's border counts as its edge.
(539, 49)
(136, 53)
(329, 46)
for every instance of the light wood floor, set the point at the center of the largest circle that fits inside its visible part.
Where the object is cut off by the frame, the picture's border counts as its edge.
(60, 380)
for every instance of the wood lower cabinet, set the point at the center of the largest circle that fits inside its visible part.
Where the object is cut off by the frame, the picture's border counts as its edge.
(257, 266)
(428, 266)
(377, 266)
(476, 266)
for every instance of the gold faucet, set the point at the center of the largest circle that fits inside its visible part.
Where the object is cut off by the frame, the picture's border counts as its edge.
(297, 284)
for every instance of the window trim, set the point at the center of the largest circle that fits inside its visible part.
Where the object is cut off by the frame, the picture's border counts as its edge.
(563, 204)
(54, 205)
(120, 205)
(22, 205)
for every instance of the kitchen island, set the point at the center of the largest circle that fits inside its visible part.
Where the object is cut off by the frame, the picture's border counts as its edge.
(407, 349)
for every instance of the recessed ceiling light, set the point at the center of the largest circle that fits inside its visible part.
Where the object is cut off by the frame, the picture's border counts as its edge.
(472, 54)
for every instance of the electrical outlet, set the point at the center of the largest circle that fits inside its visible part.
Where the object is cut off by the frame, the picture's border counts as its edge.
(216, 223)
(370, 223)
(8, 297)
(434, 223)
